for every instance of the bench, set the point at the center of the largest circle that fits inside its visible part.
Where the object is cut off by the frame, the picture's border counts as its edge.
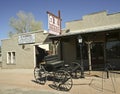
(53, 62)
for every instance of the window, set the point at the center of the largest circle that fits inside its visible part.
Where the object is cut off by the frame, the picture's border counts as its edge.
(11, 58)
(113, 50)
(113, 45)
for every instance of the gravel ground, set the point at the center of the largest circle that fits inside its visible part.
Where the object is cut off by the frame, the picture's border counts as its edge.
(21, 81)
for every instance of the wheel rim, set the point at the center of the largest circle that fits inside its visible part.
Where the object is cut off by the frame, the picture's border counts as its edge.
(63, 80)
(77, 72)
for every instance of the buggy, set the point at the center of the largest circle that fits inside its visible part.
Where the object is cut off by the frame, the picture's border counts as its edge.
(60, 72)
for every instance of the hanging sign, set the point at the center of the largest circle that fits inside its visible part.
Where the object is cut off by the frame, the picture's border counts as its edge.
(54, 24)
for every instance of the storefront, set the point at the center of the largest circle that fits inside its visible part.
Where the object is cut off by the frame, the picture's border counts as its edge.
(101, 41)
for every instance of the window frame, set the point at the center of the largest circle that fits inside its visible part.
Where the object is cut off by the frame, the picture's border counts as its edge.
(11, 57)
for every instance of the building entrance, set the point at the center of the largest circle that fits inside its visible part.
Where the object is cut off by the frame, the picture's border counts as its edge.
(40, 54)
(97, 55)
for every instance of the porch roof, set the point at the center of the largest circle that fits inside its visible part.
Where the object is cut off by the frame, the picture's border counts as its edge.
(89, 30)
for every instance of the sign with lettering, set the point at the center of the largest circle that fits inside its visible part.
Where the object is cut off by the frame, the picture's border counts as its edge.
(27, 38)
(54, 24)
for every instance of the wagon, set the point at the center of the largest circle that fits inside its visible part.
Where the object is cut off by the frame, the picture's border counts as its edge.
(60, 72)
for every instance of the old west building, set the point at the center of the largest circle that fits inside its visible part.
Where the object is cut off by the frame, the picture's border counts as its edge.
(101, 40)
(19, 51)
(100, 33)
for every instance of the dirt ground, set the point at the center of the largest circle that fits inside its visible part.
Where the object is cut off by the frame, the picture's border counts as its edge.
(21, 81)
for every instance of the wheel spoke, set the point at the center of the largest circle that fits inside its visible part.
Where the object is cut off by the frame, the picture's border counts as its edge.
(63, 80)
(40, 75)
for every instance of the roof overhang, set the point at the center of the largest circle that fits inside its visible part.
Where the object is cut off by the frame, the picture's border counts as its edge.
(86, 31)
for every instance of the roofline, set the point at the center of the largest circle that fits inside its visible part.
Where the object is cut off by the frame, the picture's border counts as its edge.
(94, 14)
(88, 15)
(89, 30)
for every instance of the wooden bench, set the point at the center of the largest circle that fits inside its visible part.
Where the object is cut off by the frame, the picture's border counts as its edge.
(53, 62)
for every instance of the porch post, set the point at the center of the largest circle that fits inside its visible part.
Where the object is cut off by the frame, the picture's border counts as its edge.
(61, 50)
(105, 58)
(54, 48)
(89, 55)
(34, 52)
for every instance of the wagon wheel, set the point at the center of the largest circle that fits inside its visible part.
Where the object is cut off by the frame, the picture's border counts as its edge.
(62, 80)
(40, 74)
(75, 70)
(76, 74)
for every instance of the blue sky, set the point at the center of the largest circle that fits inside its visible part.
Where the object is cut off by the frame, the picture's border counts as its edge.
(70, 10)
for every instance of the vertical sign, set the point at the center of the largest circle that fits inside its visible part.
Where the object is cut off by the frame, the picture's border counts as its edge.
(54, 24)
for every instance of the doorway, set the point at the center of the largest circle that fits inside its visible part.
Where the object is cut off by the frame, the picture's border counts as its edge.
(97, 55)
(40, 53)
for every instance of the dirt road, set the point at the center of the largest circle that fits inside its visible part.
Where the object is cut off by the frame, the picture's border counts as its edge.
(21, 81)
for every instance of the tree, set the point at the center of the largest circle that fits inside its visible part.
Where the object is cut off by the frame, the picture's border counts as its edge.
(24, 22)
(0, 51)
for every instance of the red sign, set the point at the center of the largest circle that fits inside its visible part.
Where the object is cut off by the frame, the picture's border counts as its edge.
(54, 24)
